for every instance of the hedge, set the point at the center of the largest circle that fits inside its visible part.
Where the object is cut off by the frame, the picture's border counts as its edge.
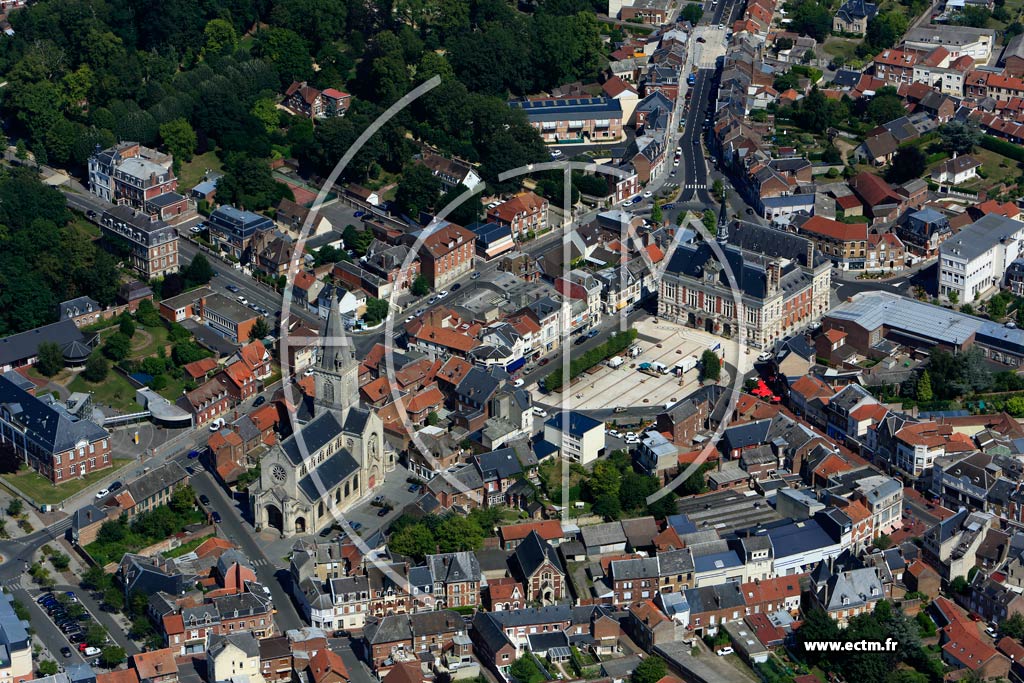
(618, 342)
(1007, 149)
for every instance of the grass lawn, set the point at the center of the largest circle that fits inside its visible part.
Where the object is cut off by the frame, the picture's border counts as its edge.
(115, 391)
(995, 166)
(172, 392)
(42, 490)
(143, 346)
(193, 171)
(85, 228)
(841, 47)
(186, 548)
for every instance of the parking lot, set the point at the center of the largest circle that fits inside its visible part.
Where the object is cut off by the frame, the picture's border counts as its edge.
(661, 342)
(74, 621)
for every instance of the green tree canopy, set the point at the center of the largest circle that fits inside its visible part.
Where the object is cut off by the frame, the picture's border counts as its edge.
(417, 191)
(50, 359)
(651, 670)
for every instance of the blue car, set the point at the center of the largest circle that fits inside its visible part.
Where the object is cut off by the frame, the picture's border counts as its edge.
(192, 455)
(356, 526)
(216, 517)
(359, 214)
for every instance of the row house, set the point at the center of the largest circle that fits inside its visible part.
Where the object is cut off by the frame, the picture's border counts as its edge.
(152, 243)
(850, 246)
(408, 637)
(1000, 87)
(895, 66)
(208, 401)
(573, 119)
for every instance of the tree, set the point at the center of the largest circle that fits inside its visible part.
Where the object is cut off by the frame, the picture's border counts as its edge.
(420, 286)
(95, 635)
(117, 347)
(417, 191)
(15, 507)
(656, 216)
(663, 507)
(883, 542)
(884, 30)
(608, 507)
(20, 150)
(60, 561)
(960, 136)
(179, 139)
(287, 52)
(924, 388)
(96, 368)
(266, 111)
(199, 271)
(147, 314)
(376, 311)
(605, 480)
(47, 667)
(975, 17)
(112, 655)
(909, 163)
(710, 366)
(692, 13)
(126, 325)
(651, 670)
(709, 221)
(259, 330)
(953, 297)
(413, 541)
(997, 306)
(959, 586)
(357, 240)
(525, 670)
(221, 38)
(249, 182)
(884, 108)
(114, 598)
(812, 19)
(51, 360)
(458, 533)
(183, 499)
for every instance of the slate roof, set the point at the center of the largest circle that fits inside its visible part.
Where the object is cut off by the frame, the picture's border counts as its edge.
(453, 567)
(328, 475)
(531, 553)
(49, 425)
(155, 481)
(19, 347)
(579, 424)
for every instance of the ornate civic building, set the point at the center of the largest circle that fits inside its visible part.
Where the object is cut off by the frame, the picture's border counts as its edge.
(333, 460)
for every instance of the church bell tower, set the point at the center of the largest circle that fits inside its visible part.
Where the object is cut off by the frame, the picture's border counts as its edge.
(336, 375)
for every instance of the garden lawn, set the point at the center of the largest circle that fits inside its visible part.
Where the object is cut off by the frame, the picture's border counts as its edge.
(841, 47)
(192, 173)
(85, 228)
(147, 340)
(115, 391)
(186, 548)
(996, 168)
(42, 490)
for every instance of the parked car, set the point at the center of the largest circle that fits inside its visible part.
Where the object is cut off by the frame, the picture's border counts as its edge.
(414, 488)
(260, 400)
(115, 486)
(456, 287)
(359, 214)
(43, 597)
(442, 294)
(66, 651)
(71, 595)
(192, 455)
(519, 382)
(725, 651)
(102, 493)
(204, 499)
(383, 511)
(233, 289)
(216, 517)
(91, 651)
(539, 412)
(326, 532)
(356, 526)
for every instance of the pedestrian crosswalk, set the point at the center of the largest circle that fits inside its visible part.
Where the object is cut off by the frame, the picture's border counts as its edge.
(696, 186)
(262, 562)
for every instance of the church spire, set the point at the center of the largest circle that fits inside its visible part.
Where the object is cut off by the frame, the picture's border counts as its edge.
(334, 354)
(723, 222)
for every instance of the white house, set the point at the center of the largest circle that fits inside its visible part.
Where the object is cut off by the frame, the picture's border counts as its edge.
(973, 263)
(656, 453)
(957, 170)
(578, 438)
(234, 656)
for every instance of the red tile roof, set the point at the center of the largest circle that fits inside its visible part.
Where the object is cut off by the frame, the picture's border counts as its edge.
(549, 530)
(826, 227)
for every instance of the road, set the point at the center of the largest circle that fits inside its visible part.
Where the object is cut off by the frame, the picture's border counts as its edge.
(240, 532)
(695, 170)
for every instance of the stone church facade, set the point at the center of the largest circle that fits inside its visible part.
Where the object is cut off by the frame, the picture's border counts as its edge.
(331, 461)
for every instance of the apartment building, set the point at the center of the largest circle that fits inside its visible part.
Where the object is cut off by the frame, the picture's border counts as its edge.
(140, 177)
(895, 66)
(152, 243)
(524, 213)
(573, 119)
(973, 263)
(235, 230)
(958, 41)
(579, 438)
(446, 254)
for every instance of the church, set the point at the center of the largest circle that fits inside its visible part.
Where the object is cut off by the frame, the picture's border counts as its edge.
(333, 460)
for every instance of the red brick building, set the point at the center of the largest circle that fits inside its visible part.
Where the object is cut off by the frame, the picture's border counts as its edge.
(447, 254)
(523, 213)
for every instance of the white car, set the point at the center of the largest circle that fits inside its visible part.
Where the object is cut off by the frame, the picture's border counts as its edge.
(242, 300)
(725, 651)
(91, 651)
(539, 412)
(648, 194)
(614, 432)
(721, 27)
(676, 162)
(992, 632)
(442, 294)
(628, 202)
(519, 382)
(555, 153)
(102, 493)
(764, 357)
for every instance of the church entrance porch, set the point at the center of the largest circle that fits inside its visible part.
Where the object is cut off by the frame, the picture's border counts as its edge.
(275, 520)
(300, 525)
